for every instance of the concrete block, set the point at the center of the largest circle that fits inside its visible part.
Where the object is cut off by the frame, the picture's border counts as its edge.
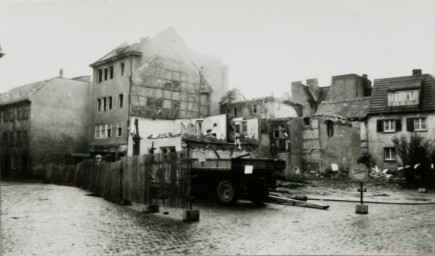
(362, 209)
(151, 209)
(191, 215)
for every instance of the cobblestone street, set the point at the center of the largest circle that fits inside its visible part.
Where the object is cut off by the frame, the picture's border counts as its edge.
(39, 219)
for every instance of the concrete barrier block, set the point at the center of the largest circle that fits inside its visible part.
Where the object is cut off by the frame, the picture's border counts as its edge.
(191, 215)
(151, 209)
(362, 209)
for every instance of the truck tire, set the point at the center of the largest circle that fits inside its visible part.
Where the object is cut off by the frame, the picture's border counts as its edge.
(226, 192)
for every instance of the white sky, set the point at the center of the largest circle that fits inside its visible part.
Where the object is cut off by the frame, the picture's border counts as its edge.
(267, 44)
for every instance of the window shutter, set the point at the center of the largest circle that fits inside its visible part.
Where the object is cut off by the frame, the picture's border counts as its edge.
(380, 125)
(410, 124)
(398, 125)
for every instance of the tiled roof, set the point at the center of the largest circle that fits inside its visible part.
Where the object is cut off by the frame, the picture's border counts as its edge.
(350, 109)
(379, 98)
(22, 93)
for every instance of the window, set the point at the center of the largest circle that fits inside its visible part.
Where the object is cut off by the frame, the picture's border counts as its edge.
(419, 124)
(102, 131)
(109, 130)
(19, 113)
(279, 131)
(119, 129)
(100, 75)
(254, 108)
(237, 128)
(104, 104)
(25, 137)
(122, 68)
(5, 138)
(26, 112)
(109, 102)
(97, 131)
(245, 128)
(120, 100)
(390, 154)
(307, 121)
(105, 74)
(6, 116)
(235, 111)
(389, 126)
(199, 127)
(402, 98)
(329, 128)
(111, 72)
(99, 105)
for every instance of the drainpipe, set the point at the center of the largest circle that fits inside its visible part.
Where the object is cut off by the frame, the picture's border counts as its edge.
(129, 98)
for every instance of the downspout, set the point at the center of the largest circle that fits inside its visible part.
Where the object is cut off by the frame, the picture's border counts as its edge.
(129, 100)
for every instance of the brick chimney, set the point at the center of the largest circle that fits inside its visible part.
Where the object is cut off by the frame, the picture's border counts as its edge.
(416, 72)
(61, 72)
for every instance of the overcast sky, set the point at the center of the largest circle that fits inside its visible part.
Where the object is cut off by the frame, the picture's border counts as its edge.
(267, 44)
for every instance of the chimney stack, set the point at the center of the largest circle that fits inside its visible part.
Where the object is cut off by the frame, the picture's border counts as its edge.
(61, 72)
(365, 76)
(416, 72)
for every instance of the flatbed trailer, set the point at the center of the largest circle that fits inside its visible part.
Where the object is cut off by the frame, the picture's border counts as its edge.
(235, 178)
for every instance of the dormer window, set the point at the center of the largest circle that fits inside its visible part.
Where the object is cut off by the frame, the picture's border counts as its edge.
(403, 98)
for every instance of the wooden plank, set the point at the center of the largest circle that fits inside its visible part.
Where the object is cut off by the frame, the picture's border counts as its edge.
(293, 202)
(140, 183)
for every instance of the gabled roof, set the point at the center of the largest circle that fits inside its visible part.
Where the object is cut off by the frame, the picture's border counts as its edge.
(124, 50)
(379, 99)
(22, 93)
(351, 109)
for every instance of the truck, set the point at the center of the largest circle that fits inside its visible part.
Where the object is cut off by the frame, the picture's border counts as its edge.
(234, 178)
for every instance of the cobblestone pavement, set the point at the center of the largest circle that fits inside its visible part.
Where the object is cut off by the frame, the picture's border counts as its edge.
(38, 219)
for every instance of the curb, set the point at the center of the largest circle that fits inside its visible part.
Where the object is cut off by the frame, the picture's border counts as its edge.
(371, 202)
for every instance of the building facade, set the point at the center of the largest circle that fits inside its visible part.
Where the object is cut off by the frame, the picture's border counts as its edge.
(41, 122)
(156, 79)
(400, 106)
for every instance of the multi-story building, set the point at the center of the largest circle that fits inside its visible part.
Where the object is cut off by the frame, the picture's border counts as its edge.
(148, 83)
(400, 106)
(41, 122)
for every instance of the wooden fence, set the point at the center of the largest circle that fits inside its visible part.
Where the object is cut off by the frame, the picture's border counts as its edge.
(159, 179)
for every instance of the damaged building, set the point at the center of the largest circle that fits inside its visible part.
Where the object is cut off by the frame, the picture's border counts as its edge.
(336, 134)
(279, 126)
(41, 122)
(153, 82)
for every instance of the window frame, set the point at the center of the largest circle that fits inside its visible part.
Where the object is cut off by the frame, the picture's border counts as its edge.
(390, 154)
(121, 100)
(119, 128)
(391, 127)
(419, 124)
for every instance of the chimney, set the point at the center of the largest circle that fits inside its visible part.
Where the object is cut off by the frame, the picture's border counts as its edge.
(61, 72)
(416, 72)
(313, 84)
(365, 76)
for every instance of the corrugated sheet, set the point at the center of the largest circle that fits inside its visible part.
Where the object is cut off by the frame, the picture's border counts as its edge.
(352, 109)
(22, 93)
(379, 98)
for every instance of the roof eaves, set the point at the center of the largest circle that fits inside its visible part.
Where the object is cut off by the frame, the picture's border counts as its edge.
(116, 57)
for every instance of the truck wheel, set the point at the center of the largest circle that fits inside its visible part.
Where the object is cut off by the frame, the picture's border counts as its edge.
(226, 192)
